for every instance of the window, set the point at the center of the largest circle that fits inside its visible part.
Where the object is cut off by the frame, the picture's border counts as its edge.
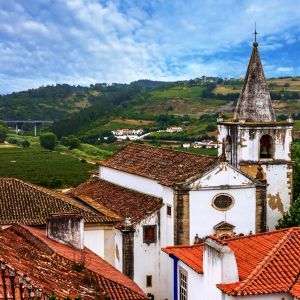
(149, 281)
(149, 234)
(223, 202)
(169, 210)
(265, 150)
(182, 284)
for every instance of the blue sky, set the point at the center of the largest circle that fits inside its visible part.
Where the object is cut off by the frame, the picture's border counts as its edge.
(87, 41)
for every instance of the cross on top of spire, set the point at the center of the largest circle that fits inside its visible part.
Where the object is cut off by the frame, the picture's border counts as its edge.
(255, 44)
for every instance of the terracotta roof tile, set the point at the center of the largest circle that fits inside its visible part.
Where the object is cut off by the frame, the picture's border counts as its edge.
(164, 165)
(33, 204)
(267, 262)
(37, 266)
(116, 200)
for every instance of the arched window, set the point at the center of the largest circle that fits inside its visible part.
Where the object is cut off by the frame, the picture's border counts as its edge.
(265, 150)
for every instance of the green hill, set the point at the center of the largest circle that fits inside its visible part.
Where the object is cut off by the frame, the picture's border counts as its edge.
(90, 112)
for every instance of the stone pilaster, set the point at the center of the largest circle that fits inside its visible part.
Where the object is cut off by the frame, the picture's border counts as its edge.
(261, 211)
(181, 217)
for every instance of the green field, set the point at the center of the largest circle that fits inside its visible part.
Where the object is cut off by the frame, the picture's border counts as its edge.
(43, 167)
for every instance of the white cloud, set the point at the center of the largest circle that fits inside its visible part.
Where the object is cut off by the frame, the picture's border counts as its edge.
(88, 41)
(284, 69)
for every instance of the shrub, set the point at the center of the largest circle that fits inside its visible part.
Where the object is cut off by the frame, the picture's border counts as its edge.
(292, 217)
(48, 140)
(25, 144)
(3, 133)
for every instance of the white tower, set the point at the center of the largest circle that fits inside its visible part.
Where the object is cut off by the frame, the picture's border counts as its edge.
(254, 137)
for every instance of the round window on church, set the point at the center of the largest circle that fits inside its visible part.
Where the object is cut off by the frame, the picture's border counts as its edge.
(223, 202)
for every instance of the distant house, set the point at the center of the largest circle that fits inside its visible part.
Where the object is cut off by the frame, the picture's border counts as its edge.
(206, 144)
(186, 145)
(262, 266)
(131, 134)
(38, 265)
(174, 129)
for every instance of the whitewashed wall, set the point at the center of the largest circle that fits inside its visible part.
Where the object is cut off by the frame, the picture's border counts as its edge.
(275, 296)
(101, 240)
(223, 179)
(147, 257)
(195, 283)
(119, 250)
(131, 181)
(94, 239)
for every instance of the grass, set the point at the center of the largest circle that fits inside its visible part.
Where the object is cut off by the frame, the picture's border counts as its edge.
(43, 167)
(211, 152)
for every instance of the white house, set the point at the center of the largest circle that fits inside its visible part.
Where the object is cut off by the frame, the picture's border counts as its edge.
(265, 266)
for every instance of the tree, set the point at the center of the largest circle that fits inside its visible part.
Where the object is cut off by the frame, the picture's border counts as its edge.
(48, 140)
(292, 217)
(3, 133)
(74, 142)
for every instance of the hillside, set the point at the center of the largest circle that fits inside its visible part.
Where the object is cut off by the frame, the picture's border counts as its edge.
(91, 111)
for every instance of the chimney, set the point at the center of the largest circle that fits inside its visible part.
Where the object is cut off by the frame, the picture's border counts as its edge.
(66, 228)
(219, 265)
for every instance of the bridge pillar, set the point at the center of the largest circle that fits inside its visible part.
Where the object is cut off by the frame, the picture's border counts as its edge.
(17, 128)
(34, 129)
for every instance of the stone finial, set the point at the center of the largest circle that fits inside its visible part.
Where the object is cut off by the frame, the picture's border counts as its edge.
(290, 118)
(220, 118)
(259, 174)
(127, 224)
(197, 240)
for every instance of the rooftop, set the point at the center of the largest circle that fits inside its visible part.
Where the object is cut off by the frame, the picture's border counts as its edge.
(267, 262)
(29, 204)
(34, 265)
(115, 200)
(163, 165)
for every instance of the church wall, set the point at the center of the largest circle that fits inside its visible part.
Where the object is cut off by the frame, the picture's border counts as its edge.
(203, 216)
(278, 192)
(131, 181)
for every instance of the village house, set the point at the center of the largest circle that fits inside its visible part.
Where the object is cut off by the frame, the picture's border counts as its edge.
(39, 264)
(262, 266)
(29, 204)
(206, 144)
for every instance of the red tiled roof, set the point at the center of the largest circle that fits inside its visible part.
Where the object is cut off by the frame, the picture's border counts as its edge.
(32, 204)
(28, 256)
(164, 165)
(267, 262)
(116, 200)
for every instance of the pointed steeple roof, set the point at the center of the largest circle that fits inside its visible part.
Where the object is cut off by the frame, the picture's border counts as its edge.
(254, 104)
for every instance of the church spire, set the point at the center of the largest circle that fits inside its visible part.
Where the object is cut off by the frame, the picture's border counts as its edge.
(254, 104)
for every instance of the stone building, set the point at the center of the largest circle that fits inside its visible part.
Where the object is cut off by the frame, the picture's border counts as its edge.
(254, 138)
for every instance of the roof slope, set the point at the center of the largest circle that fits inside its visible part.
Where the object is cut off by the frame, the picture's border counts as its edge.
(29, 204)
(28, 256)
(164, 165)
(267, 262)
(254, 104)
(116, 199)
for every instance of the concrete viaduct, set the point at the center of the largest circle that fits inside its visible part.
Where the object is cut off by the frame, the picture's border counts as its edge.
(18, 123)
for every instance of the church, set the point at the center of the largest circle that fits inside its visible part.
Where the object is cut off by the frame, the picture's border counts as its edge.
(168, 198)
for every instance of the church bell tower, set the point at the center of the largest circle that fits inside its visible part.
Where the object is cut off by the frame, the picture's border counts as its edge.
(253, 138)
